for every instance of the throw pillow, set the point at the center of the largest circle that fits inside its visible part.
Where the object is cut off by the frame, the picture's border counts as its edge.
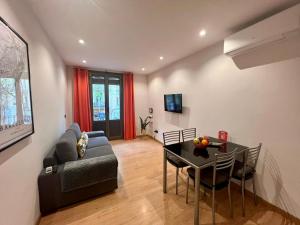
(81, 147)
(85, 137)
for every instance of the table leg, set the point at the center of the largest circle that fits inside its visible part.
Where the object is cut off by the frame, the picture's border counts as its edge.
(165, 172)
(197, 189)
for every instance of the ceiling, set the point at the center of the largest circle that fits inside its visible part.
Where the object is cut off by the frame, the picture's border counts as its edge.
(127, 35)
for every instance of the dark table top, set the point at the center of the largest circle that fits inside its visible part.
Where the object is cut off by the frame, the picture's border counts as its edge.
(202, 157)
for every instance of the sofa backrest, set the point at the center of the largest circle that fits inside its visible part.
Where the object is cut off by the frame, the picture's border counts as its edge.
(66, 147)
(76, 129)
(50, 159)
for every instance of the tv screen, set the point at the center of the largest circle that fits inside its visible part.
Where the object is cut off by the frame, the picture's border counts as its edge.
(173, 103)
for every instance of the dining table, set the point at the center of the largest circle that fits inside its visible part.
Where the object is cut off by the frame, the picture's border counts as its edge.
(198, 159)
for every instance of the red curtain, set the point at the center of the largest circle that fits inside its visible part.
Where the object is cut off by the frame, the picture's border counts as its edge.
(82, 108)
(129, 114)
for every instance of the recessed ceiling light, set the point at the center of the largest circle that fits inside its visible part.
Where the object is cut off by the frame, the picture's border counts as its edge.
(202, 33)
(84, 61)
(161, 58)
(81, 41)
(143, 69)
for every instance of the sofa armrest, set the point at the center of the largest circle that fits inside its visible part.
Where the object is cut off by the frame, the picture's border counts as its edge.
(86, 172)
(92, 134)
(49, 190)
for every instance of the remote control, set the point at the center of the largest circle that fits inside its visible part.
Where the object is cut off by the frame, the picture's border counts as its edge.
(49, 169)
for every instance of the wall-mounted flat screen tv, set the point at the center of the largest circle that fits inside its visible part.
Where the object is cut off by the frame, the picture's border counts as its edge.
(173, 103)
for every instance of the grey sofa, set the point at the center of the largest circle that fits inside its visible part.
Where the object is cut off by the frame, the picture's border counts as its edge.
(77, 179)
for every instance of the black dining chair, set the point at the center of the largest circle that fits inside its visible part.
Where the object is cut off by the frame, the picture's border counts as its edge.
(173, 137)
(246, 170)
(188, 134)
(215, 177)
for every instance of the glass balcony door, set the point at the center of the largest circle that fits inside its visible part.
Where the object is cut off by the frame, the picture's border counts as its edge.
(107, 103)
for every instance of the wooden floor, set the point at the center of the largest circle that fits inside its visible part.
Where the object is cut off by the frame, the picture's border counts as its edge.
(140, 199)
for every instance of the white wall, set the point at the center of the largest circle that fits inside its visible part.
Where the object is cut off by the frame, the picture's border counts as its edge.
(140, 99)
(69, 102)
(259, 104)
(21, 164)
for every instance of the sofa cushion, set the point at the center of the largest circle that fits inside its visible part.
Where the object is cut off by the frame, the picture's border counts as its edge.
(97, 133)
(66, 147)
(98, 151)
(97, 141)
(87, 172)
(75, 127)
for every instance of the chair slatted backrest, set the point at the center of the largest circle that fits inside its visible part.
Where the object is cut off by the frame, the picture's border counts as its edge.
(188, 134)
(224, 161)
(252, 155)
(171, 137)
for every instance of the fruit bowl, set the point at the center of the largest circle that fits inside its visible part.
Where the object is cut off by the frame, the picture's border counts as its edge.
(200, 146)
(201, 142)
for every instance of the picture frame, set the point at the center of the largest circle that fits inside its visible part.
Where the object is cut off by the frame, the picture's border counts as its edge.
(16, 114)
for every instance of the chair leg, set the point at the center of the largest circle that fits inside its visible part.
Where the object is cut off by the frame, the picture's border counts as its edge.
(181, 169)
(254, 190)
(187, 190)
(213, 206)
(177, 169)
(230, 201)
(243, 195)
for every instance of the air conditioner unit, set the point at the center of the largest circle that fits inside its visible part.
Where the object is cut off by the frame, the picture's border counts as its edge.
(280, 27)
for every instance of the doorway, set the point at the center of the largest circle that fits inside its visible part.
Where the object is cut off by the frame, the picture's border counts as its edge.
(106, 93)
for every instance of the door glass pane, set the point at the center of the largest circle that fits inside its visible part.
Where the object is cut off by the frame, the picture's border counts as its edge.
(98, 102)
(114, 101)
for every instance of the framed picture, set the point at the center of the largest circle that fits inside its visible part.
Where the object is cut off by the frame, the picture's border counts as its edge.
(16, 117)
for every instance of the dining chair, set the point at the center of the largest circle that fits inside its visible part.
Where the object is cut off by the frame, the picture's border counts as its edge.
(188, 134)
(216, 177)
(246, 170)
(173, 137)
